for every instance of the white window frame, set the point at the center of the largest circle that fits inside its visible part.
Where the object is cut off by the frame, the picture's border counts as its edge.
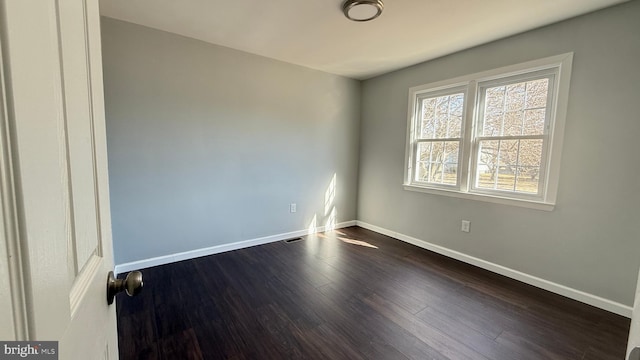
(419, 97)
(559, 68)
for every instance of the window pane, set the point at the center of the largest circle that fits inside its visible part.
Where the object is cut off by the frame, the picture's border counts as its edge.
(486, 172)
(529, 163)
(450, 166)
(507, 164)
(428, 118)
(437, 155)
(442, 117)
(527, 179)
(513, 123)
(492, 124)
(530, 152)
(537, 91)
(438, 162)
(534, 122)
(514, 97)
(423, 162)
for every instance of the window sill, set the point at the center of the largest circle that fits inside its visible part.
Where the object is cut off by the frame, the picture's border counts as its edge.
(537, 205)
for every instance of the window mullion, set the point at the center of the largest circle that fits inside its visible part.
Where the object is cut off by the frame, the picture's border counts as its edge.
(467, 144)
(516, 175)
(429, 164)
(448, 117)
(504, 109)
(414, 171)
(524, 108)
(497, 170)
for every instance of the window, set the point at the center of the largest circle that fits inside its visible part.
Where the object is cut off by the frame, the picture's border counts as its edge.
(439, 137)
(494, 136)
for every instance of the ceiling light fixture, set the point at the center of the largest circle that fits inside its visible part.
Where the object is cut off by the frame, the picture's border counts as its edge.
(362, 10)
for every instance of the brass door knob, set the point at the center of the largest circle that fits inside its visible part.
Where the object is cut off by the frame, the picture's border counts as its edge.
(132, 285)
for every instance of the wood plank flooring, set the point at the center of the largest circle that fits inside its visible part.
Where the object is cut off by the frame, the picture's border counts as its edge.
(354, 294)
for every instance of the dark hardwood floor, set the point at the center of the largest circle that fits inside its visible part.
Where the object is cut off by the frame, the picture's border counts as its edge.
(354, 294)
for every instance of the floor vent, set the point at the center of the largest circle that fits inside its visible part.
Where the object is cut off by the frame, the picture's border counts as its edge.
(288, 241)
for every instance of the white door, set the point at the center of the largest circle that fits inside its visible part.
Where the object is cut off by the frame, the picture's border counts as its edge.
(633, 346)
(55, 200)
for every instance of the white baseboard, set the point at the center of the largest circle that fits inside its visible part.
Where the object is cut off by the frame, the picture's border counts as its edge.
(571, 293)
(171, 258)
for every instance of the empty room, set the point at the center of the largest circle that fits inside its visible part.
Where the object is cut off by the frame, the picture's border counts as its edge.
(351, 179)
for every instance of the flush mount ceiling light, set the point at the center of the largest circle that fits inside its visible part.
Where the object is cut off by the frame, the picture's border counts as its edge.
(362, 10)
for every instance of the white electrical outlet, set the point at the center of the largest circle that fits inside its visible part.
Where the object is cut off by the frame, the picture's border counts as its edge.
(466, 226)
(292, 208)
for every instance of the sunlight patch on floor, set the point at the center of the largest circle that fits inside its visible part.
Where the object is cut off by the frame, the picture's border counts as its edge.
(357, 242)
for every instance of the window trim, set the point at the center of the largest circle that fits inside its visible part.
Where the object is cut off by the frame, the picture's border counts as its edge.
(561, 64)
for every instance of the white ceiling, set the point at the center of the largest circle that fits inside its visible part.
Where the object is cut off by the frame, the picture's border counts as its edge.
(315, 34)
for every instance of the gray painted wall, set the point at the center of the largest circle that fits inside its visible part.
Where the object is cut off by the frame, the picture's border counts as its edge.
(590, 241)
(209, 145)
